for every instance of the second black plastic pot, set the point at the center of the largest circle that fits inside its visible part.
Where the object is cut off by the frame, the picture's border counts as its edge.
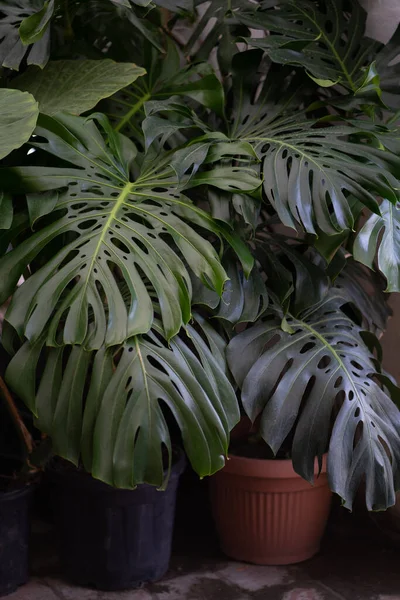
(109, 538)
(14, 538)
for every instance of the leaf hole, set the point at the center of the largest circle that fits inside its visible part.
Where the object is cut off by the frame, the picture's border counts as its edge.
(324, 362)
(338, 382)
(307, 347)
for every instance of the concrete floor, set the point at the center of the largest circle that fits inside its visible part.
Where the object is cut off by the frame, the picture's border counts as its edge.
(360, 570)
(356, 562)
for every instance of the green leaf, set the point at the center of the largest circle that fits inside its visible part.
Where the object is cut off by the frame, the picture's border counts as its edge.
(296, 380)
(76, 86)
(215, 28)
(309, 281)
(165, 79)
(329, 245)
(32, 28)
(325, 38)
(356, 282)
(370, 86)
(121, 432)
(106, 228)
(230, 179)
(244, 298)
(388, 253)
(186, 378)
(309, 169)
(388, 68)
(18, 116)
(34, 19)
(6, 210)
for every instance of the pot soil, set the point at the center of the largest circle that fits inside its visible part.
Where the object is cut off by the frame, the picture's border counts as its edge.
(267, 514)
(109, 538)
(14, 538)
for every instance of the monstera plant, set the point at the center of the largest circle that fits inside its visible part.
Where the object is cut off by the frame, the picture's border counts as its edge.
(205, 210)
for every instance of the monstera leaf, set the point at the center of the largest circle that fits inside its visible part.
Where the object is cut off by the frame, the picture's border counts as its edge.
(365, 289)
(24, 30)
(105, 223)
(166, 77)
(309, 168)
(369, 243)
(244, 298)
(298, 378)
(326, 38)
(215, 27)
(121, 429)
(76, 86)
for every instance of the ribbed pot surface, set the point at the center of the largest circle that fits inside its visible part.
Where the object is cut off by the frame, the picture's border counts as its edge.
(267, 514)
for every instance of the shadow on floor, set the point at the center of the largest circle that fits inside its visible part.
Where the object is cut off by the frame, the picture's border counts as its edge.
(356, 562)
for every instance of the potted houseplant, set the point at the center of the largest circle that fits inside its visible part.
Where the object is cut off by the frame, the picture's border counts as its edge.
(308, 368)
(173, 149)
(115, 372)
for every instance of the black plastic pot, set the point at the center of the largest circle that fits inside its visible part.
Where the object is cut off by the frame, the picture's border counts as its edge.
(109, 538)
(14, 538)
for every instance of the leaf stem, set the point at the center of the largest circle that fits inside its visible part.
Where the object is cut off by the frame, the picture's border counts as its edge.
(135, 108)
(16, 417)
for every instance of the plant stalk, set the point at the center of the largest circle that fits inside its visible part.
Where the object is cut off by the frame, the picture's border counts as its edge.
(16, 417)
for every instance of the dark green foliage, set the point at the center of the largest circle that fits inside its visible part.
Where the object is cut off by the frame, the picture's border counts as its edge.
(195, 171)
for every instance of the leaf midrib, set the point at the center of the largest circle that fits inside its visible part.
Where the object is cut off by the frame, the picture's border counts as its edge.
(112, 216)
(331, 46)
(343, 367)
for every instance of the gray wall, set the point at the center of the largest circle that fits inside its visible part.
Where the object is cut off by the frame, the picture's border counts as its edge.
(383, 17)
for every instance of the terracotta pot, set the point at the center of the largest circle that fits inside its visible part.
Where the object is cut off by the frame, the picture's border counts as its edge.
(267, 514)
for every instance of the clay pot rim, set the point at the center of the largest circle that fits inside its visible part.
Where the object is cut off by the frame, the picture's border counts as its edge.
(267, 468)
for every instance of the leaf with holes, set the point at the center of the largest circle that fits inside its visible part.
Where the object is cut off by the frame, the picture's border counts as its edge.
(25, 31)
(114, 225)
(309, 169)
(369, 243)
(326, 38)
(365, 289)
(215, 27)
(302, 380)
(121, 431)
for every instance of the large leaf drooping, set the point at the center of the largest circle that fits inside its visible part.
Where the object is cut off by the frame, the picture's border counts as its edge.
(121, 431)
(326, 38)
(25, 31)
(105, 224)
(302, 379)
(76, 86)
(310, 167)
